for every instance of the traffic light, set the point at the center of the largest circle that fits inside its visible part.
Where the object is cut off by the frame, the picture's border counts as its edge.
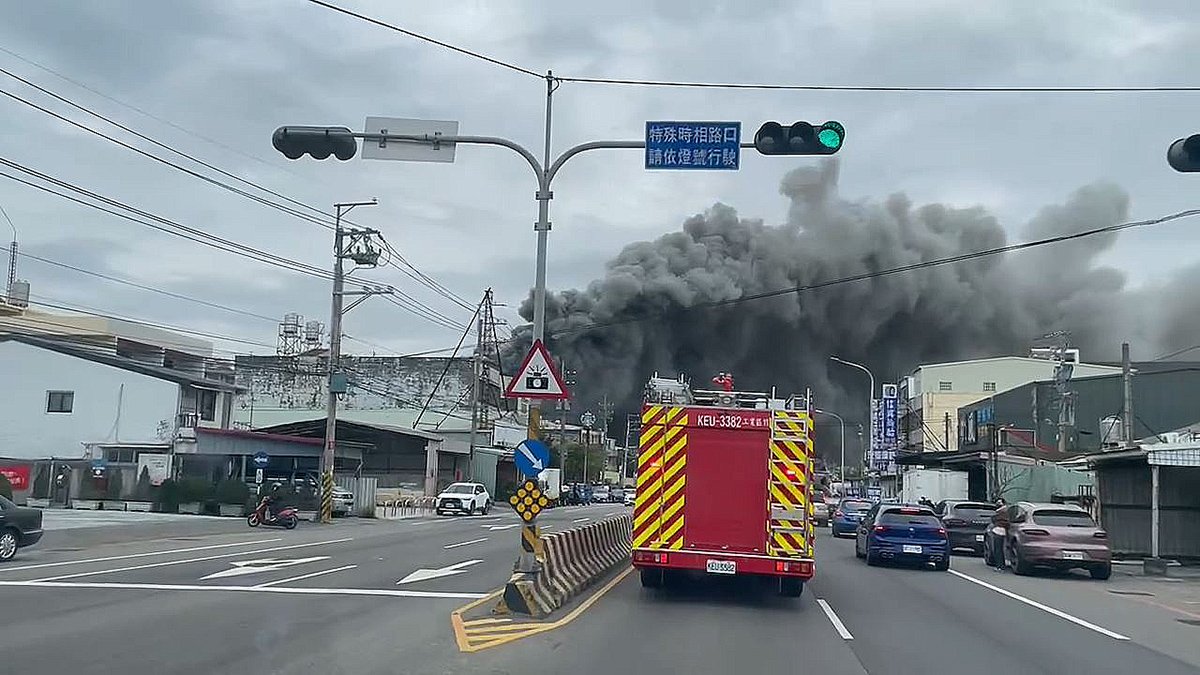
(1184, 154)
(320, 142)
(801, 138)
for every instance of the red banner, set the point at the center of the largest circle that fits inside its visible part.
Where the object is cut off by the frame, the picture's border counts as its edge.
(17, 475)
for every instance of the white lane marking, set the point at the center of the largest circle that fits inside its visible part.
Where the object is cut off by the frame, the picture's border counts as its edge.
(194, 560)
(381, 592)
(501, 527)
(138, 555)
(425, 574)
(610, 514)
(244, 567)
(1045, 608)
(545, 527)
(581, 520)
(464, 543)
(310, 575)
(833, 619)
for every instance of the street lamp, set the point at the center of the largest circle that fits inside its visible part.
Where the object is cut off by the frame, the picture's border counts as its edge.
(871, 394)
(842, 435)
(335, 354)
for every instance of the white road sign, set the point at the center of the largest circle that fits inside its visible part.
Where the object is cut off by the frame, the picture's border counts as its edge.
(407, 151)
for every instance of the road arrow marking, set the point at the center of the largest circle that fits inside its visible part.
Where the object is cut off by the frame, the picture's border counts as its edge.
(534, 461)
(424, 574)
(243, 567)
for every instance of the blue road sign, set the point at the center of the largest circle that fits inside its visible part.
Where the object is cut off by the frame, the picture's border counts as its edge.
(713, 146)
(261, 459)
(531, 457)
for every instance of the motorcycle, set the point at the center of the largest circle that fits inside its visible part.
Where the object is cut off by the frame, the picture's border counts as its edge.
(285, 518)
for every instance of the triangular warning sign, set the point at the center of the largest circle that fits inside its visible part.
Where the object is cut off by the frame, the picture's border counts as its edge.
(537, 377)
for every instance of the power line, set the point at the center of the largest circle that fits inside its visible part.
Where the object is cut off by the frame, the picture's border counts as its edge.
(144, 112)
(426, 38)
(134, 284)
(1005, 89)
(450, 360)
(884, 273)
(179, 167)
(422, 278)
(1176, 353)
(173, 228)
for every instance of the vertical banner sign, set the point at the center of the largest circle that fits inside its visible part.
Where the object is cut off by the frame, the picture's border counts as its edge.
(891, 408)
(876, 453)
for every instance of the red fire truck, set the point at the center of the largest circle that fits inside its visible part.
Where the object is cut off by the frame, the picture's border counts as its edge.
(723, 485)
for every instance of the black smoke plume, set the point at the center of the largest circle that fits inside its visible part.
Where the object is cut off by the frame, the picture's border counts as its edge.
(985, 307)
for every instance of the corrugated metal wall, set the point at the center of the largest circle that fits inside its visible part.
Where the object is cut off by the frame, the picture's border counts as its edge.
(364, 493)
(1124, 491)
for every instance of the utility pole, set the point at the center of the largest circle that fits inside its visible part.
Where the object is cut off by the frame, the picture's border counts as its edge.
(336, 382)
(630, 421)
(477, 373)
(1062, 375)
(605, 416)
(946, 432)
(1127, 435)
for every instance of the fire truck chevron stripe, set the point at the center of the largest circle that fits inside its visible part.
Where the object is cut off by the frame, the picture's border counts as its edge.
(658, 508)
(651, 414)
(788, 543)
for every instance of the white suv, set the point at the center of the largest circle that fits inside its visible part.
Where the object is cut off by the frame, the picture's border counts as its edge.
(468, 498)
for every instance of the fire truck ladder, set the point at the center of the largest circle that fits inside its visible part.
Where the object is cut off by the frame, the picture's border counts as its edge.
(789, 529)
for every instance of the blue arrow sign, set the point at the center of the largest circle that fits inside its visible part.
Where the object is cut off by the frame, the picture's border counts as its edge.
(261, 459)
(531, 457)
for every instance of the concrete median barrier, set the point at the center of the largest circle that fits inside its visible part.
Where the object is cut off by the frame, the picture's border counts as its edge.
(569, 562)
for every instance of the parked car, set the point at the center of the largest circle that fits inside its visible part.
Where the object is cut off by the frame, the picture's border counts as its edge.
(343, 501)
(468, 498)
(820, 512)
(845, 516)
(599, 494)
(1027, 535)
(902, 533)
(616, 495)
(630, 494)
(20, 527)
(965, 523)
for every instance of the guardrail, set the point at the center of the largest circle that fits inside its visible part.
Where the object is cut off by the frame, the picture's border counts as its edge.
(571, 561)
(405, 507)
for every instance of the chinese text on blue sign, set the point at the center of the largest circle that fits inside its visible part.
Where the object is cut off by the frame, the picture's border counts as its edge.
(693, 145)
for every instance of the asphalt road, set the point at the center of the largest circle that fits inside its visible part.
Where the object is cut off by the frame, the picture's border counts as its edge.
(327, 600)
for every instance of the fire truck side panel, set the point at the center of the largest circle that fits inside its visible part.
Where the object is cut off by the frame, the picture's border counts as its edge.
(726, 487)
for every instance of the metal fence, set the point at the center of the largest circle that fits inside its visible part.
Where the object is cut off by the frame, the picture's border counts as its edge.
(363, 490)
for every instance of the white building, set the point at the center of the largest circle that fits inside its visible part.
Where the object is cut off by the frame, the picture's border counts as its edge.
(932, 394)
(60, 394)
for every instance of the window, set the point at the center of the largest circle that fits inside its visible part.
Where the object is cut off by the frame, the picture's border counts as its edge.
(208, 405)
(989, 386)
(60, 401)
(900, 518)
(945, 385)
(1062, 518)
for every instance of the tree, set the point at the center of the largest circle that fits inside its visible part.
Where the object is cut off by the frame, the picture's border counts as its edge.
(6, 489)
(144, 491)
(115, 484)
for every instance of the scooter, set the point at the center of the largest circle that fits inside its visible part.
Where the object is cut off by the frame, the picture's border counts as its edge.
(285, 518)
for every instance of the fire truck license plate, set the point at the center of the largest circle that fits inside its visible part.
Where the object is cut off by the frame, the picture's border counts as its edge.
(721, 567)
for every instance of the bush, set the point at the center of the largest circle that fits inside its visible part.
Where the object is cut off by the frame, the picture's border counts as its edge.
(231, 491)
(168, 496)
(6, 489)
(194, 490)
(41, 482)
(143, 491)
(116, 483)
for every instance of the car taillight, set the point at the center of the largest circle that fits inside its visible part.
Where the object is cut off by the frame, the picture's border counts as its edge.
(881, 528)
(1101, 535)
(941, 532)
(838, 514)
(1035, 532)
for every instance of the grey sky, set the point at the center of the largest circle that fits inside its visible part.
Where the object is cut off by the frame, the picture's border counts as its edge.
(234, 70)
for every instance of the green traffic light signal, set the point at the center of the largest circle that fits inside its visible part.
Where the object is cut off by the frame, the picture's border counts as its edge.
(831, 135)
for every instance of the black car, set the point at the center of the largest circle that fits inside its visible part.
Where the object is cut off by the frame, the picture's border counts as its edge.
(966, 524)
(19, 527)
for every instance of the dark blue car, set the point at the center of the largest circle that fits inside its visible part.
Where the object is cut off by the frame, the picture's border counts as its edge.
(844, 519)
(902, 533)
